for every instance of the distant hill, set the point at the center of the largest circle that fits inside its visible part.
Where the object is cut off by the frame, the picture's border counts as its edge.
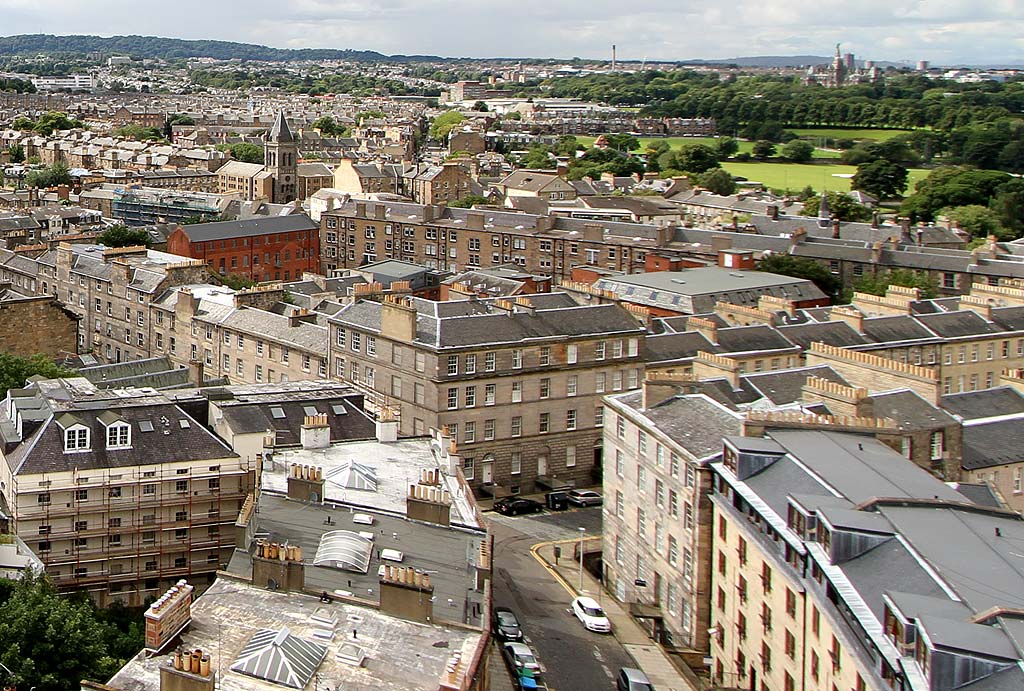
(168, 48)
(780, 61)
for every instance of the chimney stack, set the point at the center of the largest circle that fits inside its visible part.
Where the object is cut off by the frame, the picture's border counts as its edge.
(315, 432)
(306, 482)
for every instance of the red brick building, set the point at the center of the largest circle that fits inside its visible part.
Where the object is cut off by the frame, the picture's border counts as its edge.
(272, 248)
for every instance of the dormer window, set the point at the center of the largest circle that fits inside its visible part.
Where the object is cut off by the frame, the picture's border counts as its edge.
(119, 436)
(76, 438)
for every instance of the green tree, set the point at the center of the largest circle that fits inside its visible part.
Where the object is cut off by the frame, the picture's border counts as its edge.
(15, 370)
(243, 151)
(691, 158)
(444, 123)
(468, 201)
(840, 205)
(877, 285)
(122, 236)
(801, 267)
(726, 147)
(51, 176)
(480, 107)
(798, 151)
(881, 178)
(138, 132)
(1008, 205)
(327, 126)
(623, 143)
(717, 180)
(951, 187)
(50, 641)
(979, 221)
(235, 281)
(17, 153)
(763, 149)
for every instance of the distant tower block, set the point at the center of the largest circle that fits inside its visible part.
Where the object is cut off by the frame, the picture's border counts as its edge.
(922, 65)
(613, 57)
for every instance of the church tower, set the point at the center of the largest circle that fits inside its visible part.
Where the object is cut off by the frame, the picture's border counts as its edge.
(281, 160)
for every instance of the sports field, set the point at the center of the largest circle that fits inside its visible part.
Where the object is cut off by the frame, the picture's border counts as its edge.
(675, 142)
(795, 176)
(839, 133)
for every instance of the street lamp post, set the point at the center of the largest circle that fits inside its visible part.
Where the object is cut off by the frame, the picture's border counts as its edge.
(582, 532)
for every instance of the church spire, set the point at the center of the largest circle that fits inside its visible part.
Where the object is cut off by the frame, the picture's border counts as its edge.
(280, 132)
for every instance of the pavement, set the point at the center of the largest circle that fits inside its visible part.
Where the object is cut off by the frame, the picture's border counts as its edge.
(647, 654)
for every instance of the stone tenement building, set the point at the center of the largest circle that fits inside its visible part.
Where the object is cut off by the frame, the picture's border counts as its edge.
(459, 239)
(517, 384)
(234, 335)
(120, 492)
(838, 565)
(37, 324)
(112, 290)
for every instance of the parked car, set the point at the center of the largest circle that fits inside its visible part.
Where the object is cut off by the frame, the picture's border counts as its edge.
(585, 497)
(506, 625)
(513, 506)
(590, 613)
(518, 657)
(631, 679)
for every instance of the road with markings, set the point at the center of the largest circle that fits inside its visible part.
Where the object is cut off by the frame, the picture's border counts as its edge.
(572, 657)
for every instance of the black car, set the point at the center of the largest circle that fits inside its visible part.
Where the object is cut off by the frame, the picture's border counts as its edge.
(506, 625)
(513, 506)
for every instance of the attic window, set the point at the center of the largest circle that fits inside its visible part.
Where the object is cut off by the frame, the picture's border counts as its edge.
(145, 425)
(339, 409)
(183, 423)
(76, 438)
(277, 412)
(310, 410)
(119, 436)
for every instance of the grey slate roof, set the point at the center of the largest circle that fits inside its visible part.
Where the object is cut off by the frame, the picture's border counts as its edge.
(993, 443)
(468, 323)
(43, 452)
(910, 411)
(674, 417)
(280, 132)
(971, 405)
(263, 225)
(785, 386)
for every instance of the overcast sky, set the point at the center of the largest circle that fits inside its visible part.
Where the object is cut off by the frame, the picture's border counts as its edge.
(943, 31)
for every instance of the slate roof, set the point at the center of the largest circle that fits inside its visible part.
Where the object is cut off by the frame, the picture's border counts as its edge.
(835, 333)
(899, 328)
(993, 443)
(961, 323)
(263, 225)
(786, 386)
(674, 417)
(285, 417)
(910, 411)
(280, 132)
(176, 437)
(468, 323)
(971, 405)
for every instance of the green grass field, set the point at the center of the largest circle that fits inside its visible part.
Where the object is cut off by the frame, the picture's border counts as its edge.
(796, 176)
(839, 133)
(675, 142)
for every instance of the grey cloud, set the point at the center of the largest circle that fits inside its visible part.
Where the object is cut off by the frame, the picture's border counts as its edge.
(938, 30)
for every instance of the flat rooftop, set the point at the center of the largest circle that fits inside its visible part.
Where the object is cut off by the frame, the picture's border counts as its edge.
(397, 465)
(400, 655)
(447, 554)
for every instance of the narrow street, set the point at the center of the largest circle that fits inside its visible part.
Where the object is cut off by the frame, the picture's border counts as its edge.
(573, 658)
